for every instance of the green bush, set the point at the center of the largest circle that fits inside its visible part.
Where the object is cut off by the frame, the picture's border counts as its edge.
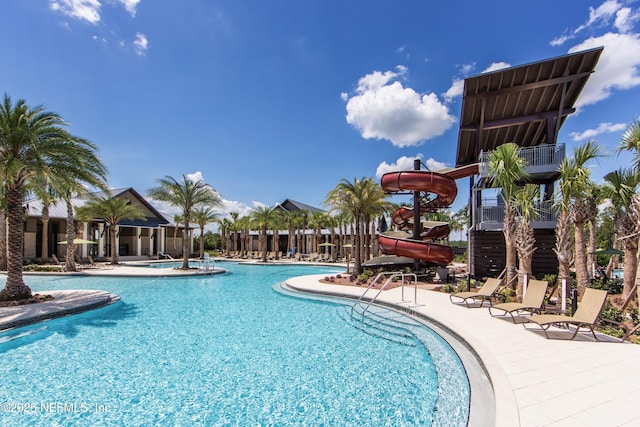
(611, 313)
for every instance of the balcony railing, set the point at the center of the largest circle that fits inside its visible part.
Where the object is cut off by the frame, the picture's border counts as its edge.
(491, 215)
(542, 158)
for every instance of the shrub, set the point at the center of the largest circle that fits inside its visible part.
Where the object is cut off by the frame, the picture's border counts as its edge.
(611, 313)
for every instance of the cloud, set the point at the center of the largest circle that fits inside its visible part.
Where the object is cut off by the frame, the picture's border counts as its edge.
(140, 44)
(617, 68)
(456, 89)
(87, 10)
(602, 128)
(495, 66)
(130, 5)
(405, 163)
(623, 18)
(383, 108)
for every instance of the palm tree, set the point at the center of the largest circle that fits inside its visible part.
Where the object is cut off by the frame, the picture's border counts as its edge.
(631, 142)
(593, 198)
(620, 187)
(374, 204)
(112, 210)
(185, 195)
(263, 217)
(580, 208)
(34, 143)
(276, 223)
(225, 230)
(348, 197)
(507, 170)
(290, 220)
(235, 228)
(203, 215)
(525, 240)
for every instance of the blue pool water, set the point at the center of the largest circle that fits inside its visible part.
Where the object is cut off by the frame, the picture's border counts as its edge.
(220, 350)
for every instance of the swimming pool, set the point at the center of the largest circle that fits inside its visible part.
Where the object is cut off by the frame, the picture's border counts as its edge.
(218, 350)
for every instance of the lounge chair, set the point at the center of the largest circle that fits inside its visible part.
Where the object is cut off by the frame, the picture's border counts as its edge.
(586, 316)
(93, 264)
(532, 301)
(486, 293)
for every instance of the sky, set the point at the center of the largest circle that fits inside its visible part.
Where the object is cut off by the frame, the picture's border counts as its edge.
(282, 99)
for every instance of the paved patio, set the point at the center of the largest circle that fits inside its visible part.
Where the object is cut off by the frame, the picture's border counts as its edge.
(537, 381)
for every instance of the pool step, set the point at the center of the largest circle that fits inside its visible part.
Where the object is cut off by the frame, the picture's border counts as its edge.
(380, 323)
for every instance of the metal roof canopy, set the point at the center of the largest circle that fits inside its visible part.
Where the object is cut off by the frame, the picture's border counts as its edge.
(526, 104)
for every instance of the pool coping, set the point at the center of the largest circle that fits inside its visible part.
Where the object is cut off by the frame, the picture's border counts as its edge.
(64, 303)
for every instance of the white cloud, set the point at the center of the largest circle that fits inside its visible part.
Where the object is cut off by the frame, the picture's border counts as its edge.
(617, 68)
(456, 89)
(88, 10)
(626, 19)
(140, 44)
(602, 128)
(384, 109)
(195, 177)
(405, 163)
(130, 5)
(496, 66)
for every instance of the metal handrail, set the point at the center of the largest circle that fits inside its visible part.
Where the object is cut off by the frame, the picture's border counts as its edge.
(378, 277)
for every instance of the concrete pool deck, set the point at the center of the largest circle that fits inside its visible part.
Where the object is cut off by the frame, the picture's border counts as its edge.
(537, 381)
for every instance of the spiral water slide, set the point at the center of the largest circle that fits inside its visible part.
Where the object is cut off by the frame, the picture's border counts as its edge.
(404, 243)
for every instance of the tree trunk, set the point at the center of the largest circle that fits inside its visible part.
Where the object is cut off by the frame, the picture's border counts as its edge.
(564, 251)
(44, 252)
(201, 242)
(580, 259)
(70, 262)
(510, 248)
(591, 257)
(15, 288)
(357, 262)
(112, 241)
(3, 240)
(185, 244)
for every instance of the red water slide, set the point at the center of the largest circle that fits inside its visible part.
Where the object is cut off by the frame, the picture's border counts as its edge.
(445, 190)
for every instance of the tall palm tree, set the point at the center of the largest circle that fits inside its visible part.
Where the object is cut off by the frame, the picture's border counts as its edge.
(594, 197)
(374, 204)
(277, 221)
(112, 210)
(225, 230)
(290, 219)
(235, 229)
(507, 170)
(620, 187)
(348, 197)
(263, 217)
(186, 195)
(203, 215)
(34, 143)
(525, 240)
(631, 142)
(581, 210)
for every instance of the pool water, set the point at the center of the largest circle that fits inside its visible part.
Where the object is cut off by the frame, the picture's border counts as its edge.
(220, 350)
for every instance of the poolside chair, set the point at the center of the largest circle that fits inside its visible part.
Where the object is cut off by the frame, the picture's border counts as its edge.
(586, 316)
(487, 292)
(532, 301)
(93, 264)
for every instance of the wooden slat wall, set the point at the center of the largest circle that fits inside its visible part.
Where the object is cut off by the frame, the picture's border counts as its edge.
(489, 253)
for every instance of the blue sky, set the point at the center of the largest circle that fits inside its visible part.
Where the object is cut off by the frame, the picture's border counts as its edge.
(282, 99)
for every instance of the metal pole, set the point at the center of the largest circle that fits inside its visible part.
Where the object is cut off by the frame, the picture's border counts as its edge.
(416, 215)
